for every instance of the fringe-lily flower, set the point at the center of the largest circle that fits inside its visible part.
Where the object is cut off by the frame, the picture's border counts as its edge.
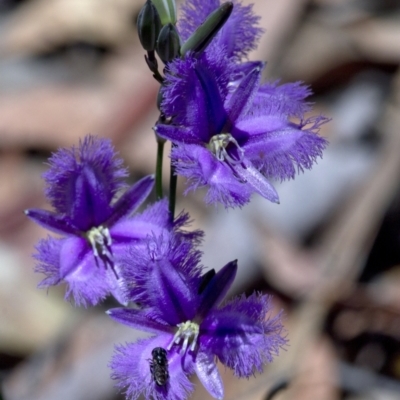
(233, 135)
(81, 186)
(191, 329)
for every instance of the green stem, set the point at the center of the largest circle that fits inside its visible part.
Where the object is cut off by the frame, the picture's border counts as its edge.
(173, 179)
(160, 153)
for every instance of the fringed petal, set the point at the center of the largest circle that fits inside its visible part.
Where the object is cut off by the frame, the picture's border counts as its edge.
(49, 220)
(164, 276)
(130, 367)
(239, 34)
(217, 288)
(208, 374)
(137, 319)
(280, 154)
(66, 164)
(201, 168)
(131, 200)
(243, 336)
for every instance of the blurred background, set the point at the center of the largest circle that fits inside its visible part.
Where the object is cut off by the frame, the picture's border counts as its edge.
(329, 252)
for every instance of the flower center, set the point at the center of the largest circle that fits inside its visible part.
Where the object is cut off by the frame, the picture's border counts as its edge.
(188, 332)
(100, 239)
(218, 146)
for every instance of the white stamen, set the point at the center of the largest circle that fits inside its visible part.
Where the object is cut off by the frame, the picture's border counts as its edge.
(219, 143)
(100, 240)
(188, 332)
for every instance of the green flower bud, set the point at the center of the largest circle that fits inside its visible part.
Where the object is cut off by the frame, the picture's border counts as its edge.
(203, 35)
(149, 26)
(168, 43)
(167, 11)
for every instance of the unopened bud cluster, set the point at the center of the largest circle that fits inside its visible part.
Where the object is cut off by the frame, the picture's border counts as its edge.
(157, 29)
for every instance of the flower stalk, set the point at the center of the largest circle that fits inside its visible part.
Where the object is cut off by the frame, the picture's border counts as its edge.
(159, 163)
(173, 181)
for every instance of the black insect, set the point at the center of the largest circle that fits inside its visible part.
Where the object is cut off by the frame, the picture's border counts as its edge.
(159, 366)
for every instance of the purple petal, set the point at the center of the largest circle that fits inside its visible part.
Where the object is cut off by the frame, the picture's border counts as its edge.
(194, 92)
(132, 230)
(259, 124)
(91, 200)
(181, 222)
(153, 221)
(242, 99)
(238, 36)
(240, 71)
(138, 320)
(234, 337)
(131, 368)
(87, 281)
(287, 99)
(201, 168)
(172, 293)
(157, 214)
(233, 328)
(51, 221)
(242, 335)
(281, 154)
(210, 96)
(66, 164)
(96, 275)
(208, 374)
(185, 103)
(116, 284)
(252, 177)
(217, 288)
(131, 199)
(177, 134)
(74, 255)
(170, 248)
(194, 13)
(89, 291)
(48, 257)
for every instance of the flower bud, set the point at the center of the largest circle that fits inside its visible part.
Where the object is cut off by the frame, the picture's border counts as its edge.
(149, 26)
(203, 35)
(168, 43)
(166, 10)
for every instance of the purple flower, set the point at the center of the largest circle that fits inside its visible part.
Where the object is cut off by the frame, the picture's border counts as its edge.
(182, 309)
(237, 37)
(82, 183)
(231, 133)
